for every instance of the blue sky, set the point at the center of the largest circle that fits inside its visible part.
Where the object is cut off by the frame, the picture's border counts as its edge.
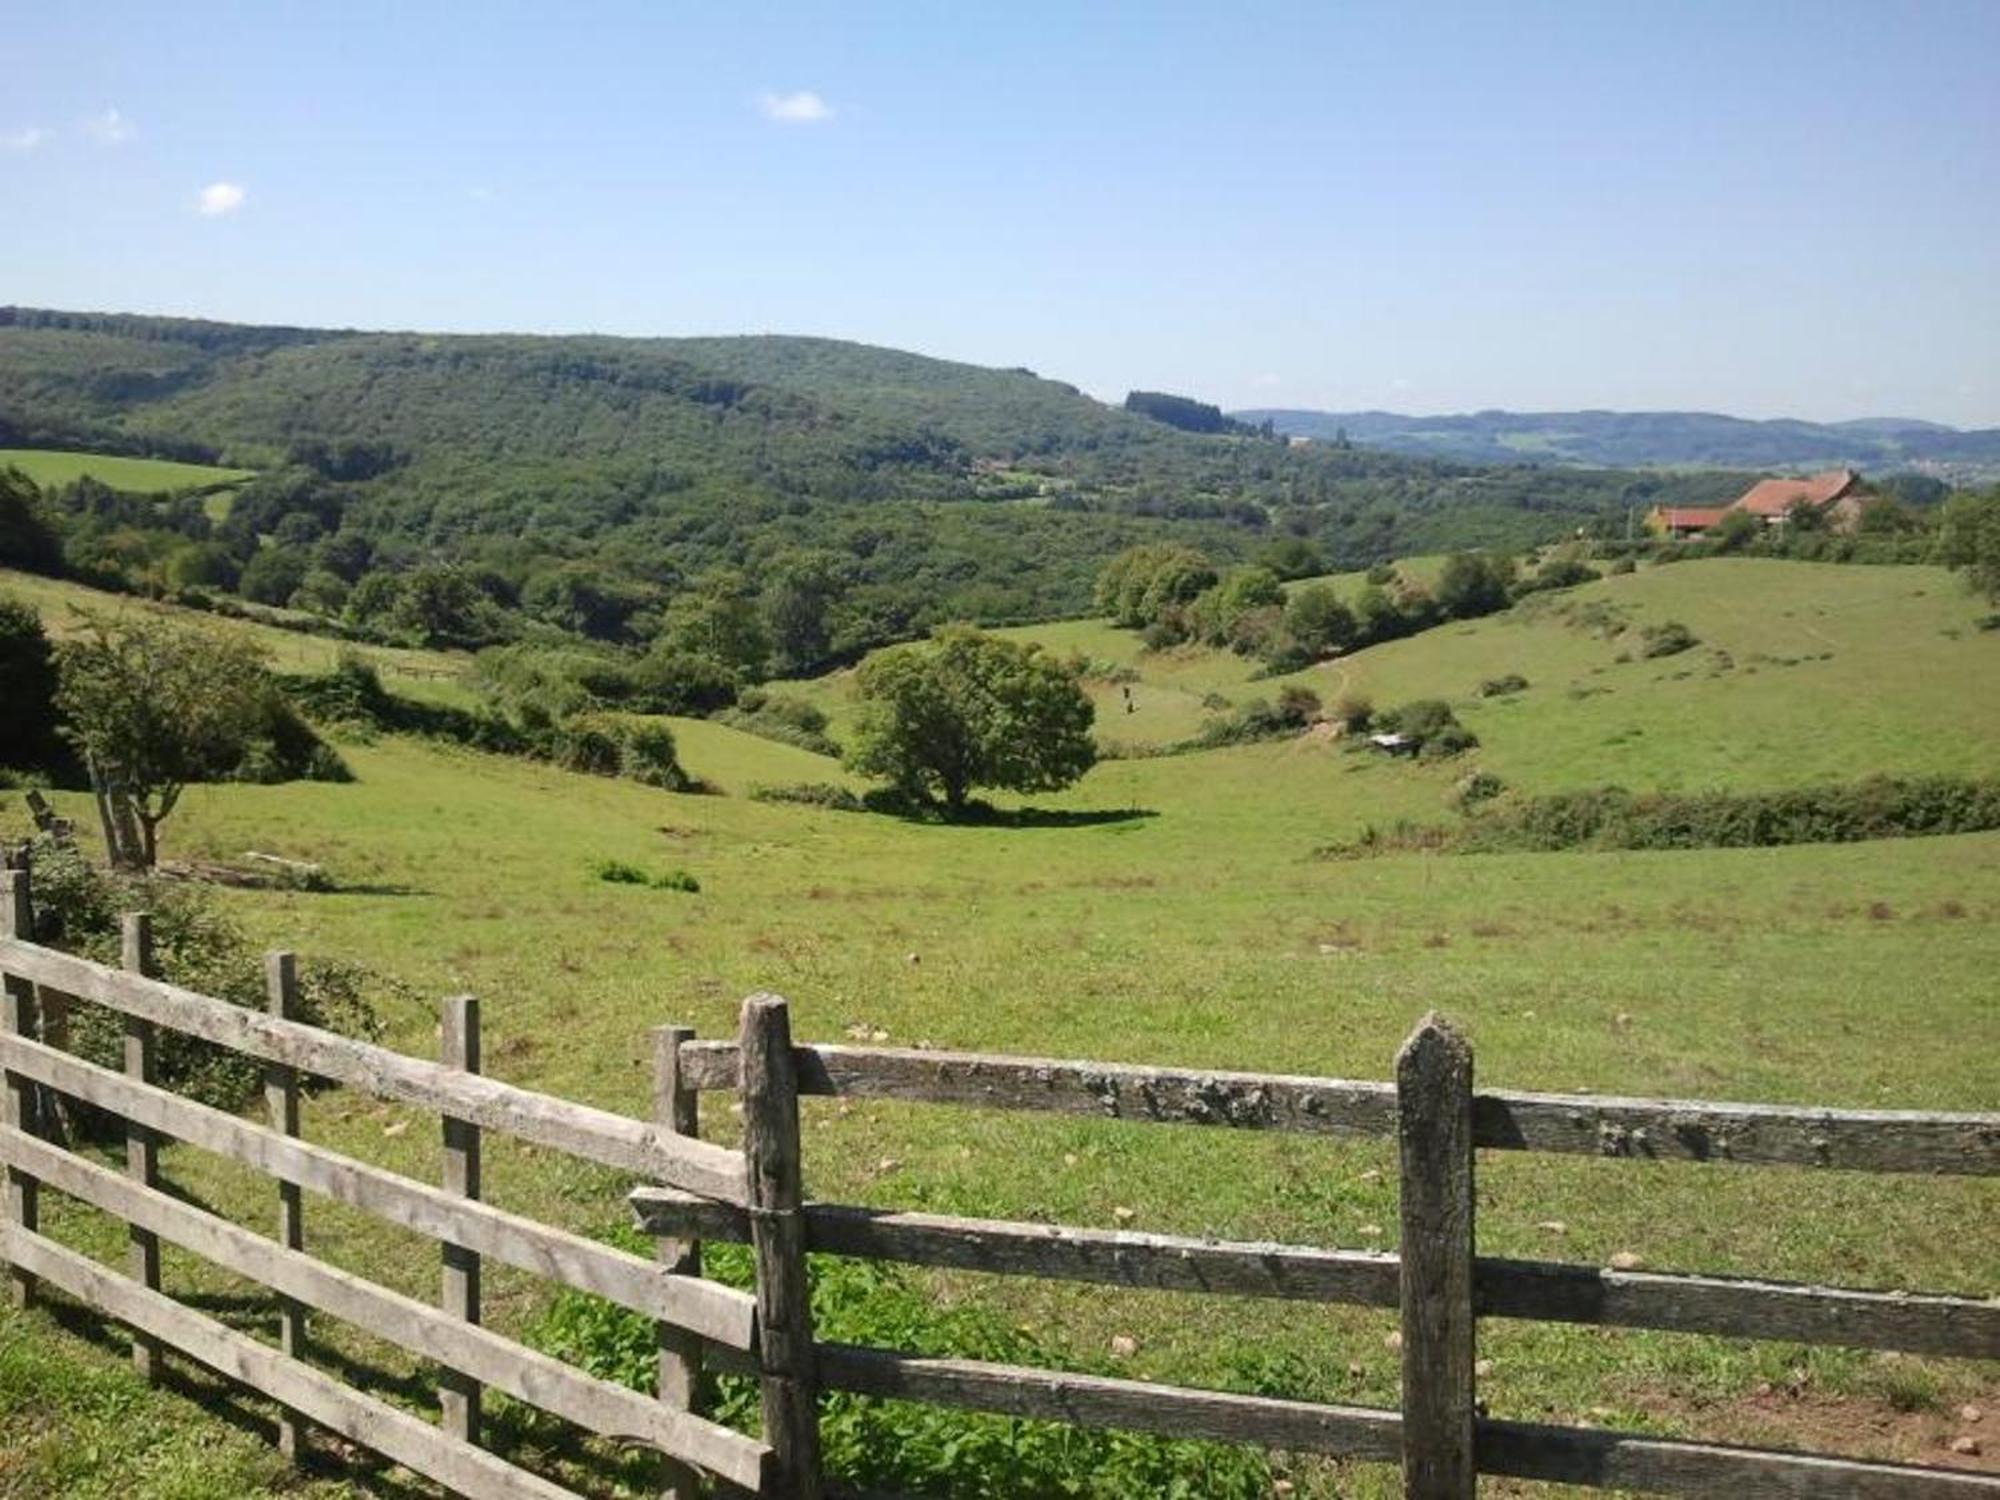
(1769, 209)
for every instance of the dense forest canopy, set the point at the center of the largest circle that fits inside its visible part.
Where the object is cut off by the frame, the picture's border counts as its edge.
(597, 485)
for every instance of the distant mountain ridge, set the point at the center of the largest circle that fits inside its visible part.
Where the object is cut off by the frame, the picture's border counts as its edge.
(1662, 439)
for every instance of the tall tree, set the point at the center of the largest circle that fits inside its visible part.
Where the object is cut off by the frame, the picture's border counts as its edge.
(968, 710)
(150, 708)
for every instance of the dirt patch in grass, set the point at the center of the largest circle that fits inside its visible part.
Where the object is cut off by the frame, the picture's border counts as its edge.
(1860, 1426)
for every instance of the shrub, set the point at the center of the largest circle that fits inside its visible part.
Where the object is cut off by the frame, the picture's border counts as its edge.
(1667, 639)
(1500, 687)
(1353, 712)
(1475, 789)
(1432, 724)
(876, 1445)
(789, 721)
(618, 872)
(1623, 566)
(1298, 703)
(1613, 818)
(647, 754)
(196, 945)
(677, 880)
(581, 746)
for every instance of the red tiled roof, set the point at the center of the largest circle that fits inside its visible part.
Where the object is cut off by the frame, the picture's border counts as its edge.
(1773, 497)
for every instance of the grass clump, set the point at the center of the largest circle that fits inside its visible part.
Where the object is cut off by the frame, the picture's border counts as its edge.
(825, 794)
(1669, 638)
(620, 872)
(907, 1446)
(1432, 724)
(1500, 687)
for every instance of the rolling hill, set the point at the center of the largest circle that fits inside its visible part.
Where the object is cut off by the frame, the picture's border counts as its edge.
(1657, 439)
(986, 493)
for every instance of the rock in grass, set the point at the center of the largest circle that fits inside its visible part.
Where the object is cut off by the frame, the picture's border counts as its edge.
(1627, 1260)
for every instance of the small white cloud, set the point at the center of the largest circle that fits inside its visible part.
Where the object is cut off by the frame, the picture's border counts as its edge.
(24, 140)
(801, 108)
(219, 198)
(109, 128)
(481, 194)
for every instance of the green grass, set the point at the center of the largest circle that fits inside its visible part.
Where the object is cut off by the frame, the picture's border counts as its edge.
(431, 675)
(50, 467)
(1199, 931)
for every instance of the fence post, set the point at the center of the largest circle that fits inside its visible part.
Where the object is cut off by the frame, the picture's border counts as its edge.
(23, 1192)
(281, 1103)
(458, 1394)
(777, 1233)
(142, 1151)
(677, 1107)
(1434, 1134)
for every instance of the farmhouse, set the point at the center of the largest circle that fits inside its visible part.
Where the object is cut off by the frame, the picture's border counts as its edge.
(1832, 494)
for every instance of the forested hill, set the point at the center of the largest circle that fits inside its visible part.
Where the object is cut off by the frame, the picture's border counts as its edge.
(958, 489)
(1625, 438)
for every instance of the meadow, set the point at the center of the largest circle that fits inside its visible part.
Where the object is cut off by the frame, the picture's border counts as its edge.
(1186, 922)
(51, 468)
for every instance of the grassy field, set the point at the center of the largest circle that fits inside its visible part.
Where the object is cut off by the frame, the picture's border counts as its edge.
(50, 467)
(1195, 929)
(432, 675)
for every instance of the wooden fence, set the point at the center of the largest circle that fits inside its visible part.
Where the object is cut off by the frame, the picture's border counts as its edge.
(1439, 1284)
(41, 988)
(755, 1196)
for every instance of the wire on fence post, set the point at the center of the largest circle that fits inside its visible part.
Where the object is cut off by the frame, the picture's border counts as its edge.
(281, 1103)
(777, 1229)
(23, 1192)
(676, 1105)
(142, 1150)
(458, 1394)
(1434, 1134)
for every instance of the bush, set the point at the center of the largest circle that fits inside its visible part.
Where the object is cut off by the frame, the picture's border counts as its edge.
(877, 1445)
(789, 721)
(1612, 818)
(1354, 712)
(1667, 639)
(618, 872)
(1500, 687)
(1432, 724)
(77, 908)
(1623, 566)
(647, 754)
(1476, 789)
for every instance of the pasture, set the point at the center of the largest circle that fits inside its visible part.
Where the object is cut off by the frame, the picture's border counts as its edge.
(52, 467)
(1174, 916)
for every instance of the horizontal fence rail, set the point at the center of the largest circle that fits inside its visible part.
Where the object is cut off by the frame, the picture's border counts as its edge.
(46, 1084)
(717, 1313)
(1859, 1140)
(575, 1129)
(1446, 1443)
(1548, 1291)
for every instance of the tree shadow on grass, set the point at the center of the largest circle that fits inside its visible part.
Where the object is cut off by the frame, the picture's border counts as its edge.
(985, 815)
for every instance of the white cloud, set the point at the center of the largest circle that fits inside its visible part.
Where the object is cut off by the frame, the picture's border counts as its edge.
(23, 140)
(109, 128)
(801, 108)
(219, 198)
(481, 194)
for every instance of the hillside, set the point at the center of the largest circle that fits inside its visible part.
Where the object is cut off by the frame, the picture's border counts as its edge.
(1185, 922)
(986, 493)
(1667, 439)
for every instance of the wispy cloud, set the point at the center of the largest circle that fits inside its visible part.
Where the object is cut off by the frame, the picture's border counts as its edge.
(801, 108)
(24, 140)
(219, 198)
(109, 128)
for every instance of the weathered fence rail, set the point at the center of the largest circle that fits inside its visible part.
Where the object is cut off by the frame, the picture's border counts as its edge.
(41, 987)
(702, 1191)
(1439, 1285)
